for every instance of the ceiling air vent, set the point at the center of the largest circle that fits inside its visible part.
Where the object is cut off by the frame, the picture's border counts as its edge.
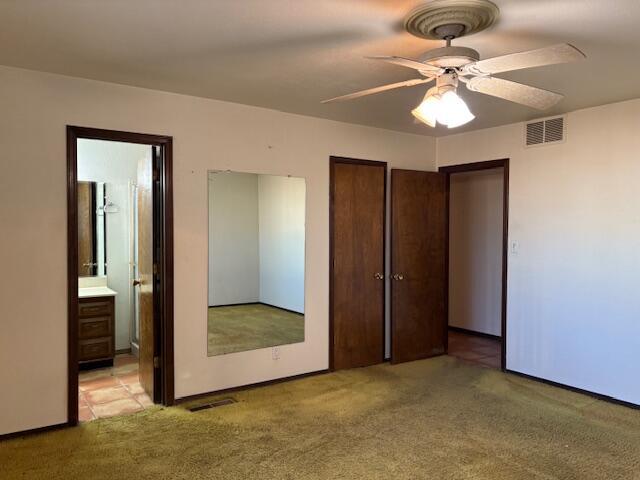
(544, 132)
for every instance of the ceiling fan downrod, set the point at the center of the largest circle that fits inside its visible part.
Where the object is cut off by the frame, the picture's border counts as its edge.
(449, 32)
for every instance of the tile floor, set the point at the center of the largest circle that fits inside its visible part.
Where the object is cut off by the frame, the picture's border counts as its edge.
(475, 349)
(107, 392)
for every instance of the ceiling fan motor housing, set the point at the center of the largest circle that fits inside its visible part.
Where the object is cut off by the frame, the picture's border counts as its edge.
(450, 57)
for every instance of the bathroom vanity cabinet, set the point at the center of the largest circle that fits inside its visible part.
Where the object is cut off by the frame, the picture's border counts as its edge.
(96, 329)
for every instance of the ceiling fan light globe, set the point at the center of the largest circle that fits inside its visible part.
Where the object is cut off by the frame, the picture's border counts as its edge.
(461, 120)
(453, 112)
(429, 110)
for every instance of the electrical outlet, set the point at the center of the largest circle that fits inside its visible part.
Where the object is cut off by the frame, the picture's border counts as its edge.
(275, 353)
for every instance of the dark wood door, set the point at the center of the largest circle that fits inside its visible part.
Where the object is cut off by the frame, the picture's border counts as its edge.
(357, 263)
(145, 275)
(418, 265)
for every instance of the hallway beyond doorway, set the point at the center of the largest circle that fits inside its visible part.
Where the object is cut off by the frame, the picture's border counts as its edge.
(475, 349)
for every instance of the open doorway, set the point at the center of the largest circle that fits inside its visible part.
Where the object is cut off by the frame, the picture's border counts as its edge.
(120, 272)
(477, 261)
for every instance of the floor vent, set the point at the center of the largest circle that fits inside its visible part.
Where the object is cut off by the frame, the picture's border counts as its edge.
(545, 132)
(218, 403)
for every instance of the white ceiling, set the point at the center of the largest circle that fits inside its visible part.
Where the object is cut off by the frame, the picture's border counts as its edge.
(290, 54)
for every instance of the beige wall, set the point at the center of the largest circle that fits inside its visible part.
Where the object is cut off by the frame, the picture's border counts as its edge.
(574, 261)
(208, 134)
(475, 251)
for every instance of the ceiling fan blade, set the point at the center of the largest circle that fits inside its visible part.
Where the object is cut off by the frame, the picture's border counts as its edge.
(561, 53)
(407, 62)
(383, 88)
(515, 92)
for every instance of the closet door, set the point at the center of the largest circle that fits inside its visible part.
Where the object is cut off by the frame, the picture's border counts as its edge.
(418, 265)
(357, 222)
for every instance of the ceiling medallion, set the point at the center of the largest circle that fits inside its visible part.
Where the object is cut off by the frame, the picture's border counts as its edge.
(472, 15)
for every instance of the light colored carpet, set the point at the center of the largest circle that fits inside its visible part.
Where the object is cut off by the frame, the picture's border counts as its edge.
(239, 328)
(431, 419)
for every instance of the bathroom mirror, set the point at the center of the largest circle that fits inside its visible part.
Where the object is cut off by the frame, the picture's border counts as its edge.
(91, 230)
(256, 261)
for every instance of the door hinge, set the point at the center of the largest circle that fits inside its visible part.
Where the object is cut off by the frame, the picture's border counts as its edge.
(156, 362)
(155, 268)
(156, 174)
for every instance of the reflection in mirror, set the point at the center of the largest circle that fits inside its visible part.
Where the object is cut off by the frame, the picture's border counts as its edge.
(256, 261)
(91, 229)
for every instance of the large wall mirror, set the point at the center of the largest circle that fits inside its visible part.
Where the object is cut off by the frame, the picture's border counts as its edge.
(256, 261)
(92, 248)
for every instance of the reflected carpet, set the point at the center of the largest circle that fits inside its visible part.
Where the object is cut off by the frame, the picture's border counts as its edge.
(238, 328)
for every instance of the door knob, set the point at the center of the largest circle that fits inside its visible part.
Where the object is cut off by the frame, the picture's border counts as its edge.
(378, 276)
(137, 282)
(397, 276)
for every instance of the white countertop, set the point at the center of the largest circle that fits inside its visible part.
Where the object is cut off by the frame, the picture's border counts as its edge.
(95, 292)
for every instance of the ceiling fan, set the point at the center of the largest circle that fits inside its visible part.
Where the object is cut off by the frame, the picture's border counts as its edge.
(451, 65)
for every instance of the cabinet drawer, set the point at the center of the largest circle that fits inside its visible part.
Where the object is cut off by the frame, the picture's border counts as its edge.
(94, 327)
(95, 308)
(95, 349)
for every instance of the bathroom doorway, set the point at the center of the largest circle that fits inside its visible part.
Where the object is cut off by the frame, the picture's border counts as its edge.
(478, 214)
(120, 272)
